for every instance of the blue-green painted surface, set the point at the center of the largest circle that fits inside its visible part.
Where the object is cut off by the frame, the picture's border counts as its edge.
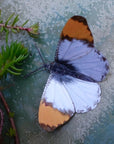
(95, 127)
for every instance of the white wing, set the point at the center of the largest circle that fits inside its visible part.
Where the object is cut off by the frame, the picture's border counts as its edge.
(73, 96)
(61, 99)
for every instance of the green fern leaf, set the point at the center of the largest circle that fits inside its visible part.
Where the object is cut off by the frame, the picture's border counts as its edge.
(12, 72)
(16, 69)
(16, 19)
(11, 57)
(10, 17)
(24, 23)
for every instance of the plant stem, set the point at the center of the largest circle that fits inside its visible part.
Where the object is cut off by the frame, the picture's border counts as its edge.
(11, 119)
(16, 27)
(2, 119)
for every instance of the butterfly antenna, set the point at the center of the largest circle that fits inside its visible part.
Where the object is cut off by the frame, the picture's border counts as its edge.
(45, 66)
(41, 56)
(36, 70)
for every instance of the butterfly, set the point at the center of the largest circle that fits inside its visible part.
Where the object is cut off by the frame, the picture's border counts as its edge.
(72, 84)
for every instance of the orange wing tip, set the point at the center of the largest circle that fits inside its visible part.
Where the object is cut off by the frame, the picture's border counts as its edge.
(50, 118)
(77, 28)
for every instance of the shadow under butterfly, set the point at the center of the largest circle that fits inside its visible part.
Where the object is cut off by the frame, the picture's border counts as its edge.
(71, 87)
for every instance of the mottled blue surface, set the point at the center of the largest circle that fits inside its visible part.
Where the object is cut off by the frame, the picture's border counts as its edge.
(95, 127)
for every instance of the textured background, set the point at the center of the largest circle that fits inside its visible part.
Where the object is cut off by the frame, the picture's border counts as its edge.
(95, 127)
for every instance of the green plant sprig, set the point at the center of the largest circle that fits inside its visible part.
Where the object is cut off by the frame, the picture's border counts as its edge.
(11, 57)
(5, 26)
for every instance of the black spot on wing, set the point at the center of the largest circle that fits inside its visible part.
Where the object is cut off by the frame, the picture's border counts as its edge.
(66, 37)
(80, 19)
(107, 67)
(90, 44)
(104, 59)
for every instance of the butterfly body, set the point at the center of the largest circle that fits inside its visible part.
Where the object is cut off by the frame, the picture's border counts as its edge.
(71, 87)
(62, 68)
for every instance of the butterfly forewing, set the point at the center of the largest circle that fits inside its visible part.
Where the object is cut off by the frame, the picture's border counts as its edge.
(76, 48)
(56, 106)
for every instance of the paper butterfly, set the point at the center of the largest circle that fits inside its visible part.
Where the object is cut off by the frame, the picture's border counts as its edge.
(71, 87)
